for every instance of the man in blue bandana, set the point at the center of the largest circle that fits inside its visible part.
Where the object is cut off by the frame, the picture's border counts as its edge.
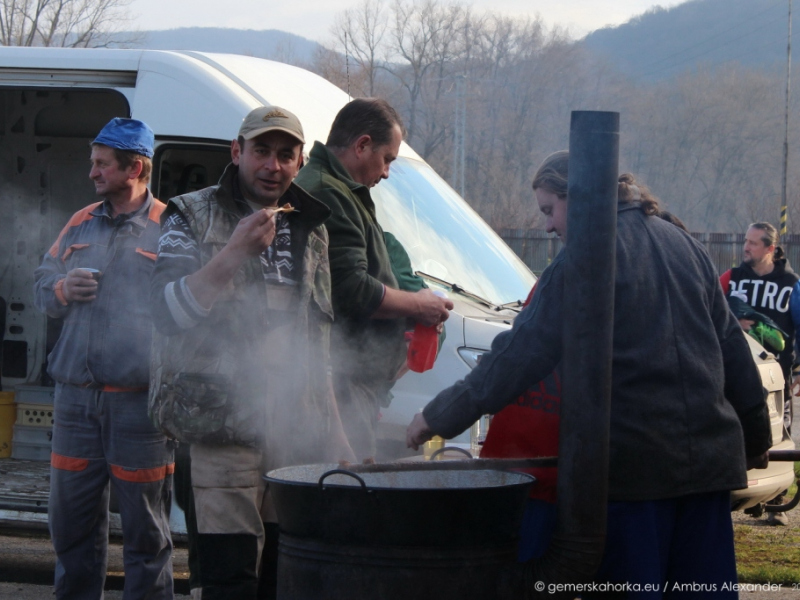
(95, 280)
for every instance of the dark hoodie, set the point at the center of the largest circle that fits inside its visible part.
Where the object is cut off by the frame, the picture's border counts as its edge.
(768, 294)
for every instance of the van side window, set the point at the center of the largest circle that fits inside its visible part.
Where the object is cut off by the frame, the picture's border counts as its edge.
(181, 168)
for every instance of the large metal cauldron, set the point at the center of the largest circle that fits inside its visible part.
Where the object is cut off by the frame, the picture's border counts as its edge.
(396, 534)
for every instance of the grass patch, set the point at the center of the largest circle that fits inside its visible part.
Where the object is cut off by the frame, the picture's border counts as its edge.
(766, 554)
(793, 489)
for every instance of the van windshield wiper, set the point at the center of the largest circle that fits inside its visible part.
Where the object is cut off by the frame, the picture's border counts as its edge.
(516, 305)
(457, 289)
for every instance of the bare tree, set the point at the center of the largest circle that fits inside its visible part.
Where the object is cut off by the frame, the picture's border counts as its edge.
(65, 23)
(332, 65)
(359, 33)
(707, 142)
(417, 28)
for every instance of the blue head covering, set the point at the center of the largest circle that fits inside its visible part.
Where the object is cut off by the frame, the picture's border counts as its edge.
(127, 134)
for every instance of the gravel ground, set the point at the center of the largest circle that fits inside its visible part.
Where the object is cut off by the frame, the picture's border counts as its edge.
(27, 561)
(31, 556)
(20, 591)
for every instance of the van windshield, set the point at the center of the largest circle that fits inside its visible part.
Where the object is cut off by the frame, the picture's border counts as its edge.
(445, 238)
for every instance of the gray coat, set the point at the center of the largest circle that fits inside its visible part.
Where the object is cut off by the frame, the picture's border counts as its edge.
(235, 377)
(687, 402)
(105, 341)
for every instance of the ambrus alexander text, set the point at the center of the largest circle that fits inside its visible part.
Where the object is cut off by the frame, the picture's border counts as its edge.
(553, 588)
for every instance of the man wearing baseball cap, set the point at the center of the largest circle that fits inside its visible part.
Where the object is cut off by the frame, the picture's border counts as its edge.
(241, 303)
(95, 281)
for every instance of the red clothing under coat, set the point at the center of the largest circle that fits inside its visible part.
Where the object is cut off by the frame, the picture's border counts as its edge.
(528, 428)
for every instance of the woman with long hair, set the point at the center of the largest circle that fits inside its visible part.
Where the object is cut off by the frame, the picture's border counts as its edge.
(687, 410)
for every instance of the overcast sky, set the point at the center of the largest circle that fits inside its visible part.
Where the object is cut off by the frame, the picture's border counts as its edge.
(312, 18)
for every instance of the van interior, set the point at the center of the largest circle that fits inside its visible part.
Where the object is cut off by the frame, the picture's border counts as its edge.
(45, 137)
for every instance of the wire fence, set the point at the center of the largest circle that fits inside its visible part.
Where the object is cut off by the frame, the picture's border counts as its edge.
(537, 248)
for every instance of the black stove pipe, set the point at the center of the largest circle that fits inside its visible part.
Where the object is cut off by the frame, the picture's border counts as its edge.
(579, 540)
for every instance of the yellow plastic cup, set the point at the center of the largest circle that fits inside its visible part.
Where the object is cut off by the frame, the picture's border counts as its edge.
(8, 415)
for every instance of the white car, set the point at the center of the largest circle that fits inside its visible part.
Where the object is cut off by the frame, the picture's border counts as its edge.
(765, 484)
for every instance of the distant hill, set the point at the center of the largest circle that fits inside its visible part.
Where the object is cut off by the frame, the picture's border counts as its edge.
(269, 43)
(664, 41)
(654, 45)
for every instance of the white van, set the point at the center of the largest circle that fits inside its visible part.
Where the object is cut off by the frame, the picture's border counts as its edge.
(53, 102)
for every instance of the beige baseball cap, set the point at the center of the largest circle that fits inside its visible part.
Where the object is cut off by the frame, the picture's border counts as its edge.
(271, 118)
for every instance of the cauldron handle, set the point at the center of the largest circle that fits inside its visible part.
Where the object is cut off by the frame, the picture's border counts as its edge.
(342, 472)
(436, 453)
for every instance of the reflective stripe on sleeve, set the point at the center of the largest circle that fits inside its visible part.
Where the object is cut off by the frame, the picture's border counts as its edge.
(59, 292)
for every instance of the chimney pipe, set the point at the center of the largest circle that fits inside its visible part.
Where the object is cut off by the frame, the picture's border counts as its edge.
(577, 546)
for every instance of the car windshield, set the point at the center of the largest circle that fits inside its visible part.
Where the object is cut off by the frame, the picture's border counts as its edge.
(445, 238)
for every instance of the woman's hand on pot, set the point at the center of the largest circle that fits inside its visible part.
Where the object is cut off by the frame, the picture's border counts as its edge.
(418, 432)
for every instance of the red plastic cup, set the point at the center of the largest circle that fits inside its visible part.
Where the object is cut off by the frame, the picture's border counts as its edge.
(422, 349)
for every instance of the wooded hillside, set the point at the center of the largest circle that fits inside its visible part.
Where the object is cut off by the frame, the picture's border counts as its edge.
(707, 140)
(662, 42)
(700, 87)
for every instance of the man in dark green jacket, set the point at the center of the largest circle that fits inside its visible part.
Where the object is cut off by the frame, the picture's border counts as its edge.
(367, 340)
